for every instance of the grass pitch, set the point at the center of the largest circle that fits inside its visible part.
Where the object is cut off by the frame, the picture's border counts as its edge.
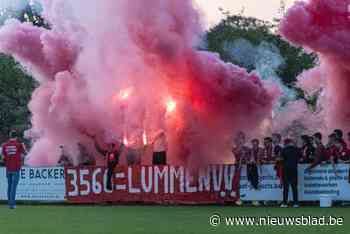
(51, 219)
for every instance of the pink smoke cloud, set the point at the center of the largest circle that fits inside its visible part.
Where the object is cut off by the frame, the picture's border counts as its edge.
(324, 27)
(95, 50)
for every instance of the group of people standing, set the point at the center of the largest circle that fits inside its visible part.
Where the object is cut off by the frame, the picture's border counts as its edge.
(286, 157)
(113, 151)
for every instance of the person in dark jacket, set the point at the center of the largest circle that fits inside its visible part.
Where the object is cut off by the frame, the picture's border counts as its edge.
(253, 162)
(290, 157)
(253, 165)
(112, 154)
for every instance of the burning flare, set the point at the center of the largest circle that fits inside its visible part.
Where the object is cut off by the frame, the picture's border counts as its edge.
(170, 106)
(144, 138)
(125, 93)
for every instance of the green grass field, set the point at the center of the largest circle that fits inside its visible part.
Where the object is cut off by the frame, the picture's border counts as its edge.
(50, 219)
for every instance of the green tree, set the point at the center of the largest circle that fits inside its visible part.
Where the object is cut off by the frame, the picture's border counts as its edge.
(16, 86)
(32, 14)
(234, 27)
(15, 92)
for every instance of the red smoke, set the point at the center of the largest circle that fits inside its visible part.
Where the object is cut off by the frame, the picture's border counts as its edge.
(323, 26)
(96, 51)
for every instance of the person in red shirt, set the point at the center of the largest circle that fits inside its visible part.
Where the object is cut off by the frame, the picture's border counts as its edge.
(268, 151)
(322, 154)
(307, 149)
(240, 151)
(13, 150)
(257, 152)
(332, 150)
(339, 151)
(339, 137)
(277, 150)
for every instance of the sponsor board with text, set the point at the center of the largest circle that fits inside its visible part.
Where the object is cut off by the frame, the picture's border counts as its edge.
(37, 184)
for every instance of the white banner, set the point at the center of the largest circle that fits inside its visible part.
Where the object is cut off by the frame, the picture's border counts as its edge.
(48, 184)
(270, 188)
(321, 181)
(37, 184)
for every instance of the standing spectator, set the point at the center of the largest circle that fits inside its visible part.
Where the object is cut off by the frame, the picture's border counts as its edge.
(341, 151)
(240, 151)
(112, 154)
(160, 147)
(13, 151)
(277, 150)
(85, 158)
(337, 153)
(290, 156)
(241, 154)
(257, 152)
(307, 149)
(277, 145)
(331, 139)
(64, 158)
(334, 146)
(339, 136)
(268, 151)
(321, 154)
(332, 150)
(253, 163)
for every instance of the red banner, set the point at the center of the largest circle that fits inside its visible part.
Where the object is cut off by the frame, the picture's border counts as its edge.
(153, 184)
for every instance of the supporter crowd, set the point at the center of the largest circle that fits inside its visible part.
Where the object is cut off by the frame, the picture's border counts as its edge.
(284, 154)
(287, 155)
(312, 149)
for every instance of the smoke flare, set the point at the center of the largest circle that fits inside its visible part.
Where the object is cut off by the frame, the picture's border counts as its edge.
(95, 50)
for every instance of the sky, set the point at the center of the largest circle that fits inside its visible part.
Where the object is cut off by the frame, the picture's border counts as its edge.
(262, 9)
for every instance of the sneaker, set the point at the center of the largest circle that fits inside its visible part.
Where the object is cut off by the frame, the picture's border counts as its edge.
(239, 202)
(255, 203)
(12, 207)
(283, 205)
(295, 206)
